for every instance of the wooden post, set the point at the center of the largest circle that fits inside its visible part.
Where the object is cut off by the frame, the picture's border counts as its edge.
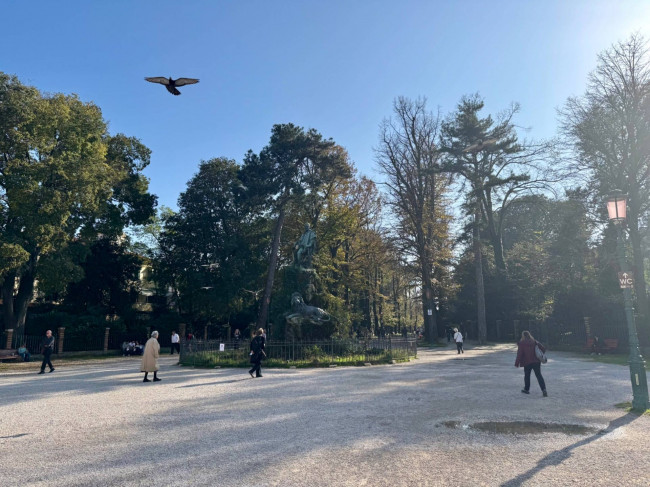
(106, 332)
(10, 336)
(59, 348)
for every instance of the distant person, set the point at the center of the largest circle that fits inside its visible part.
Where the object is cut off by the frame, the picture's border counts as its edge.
(527, 358)
(24, 353)
(176, 343)
(257, 353)
(596, 346)
(150, 357)
(47, 348)
(458, 338)
(237, 338)
(450, 334)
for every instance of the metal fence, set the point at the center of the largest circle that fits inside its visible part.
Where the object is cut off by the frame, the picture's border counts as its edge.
(31, 342)
(322, 352)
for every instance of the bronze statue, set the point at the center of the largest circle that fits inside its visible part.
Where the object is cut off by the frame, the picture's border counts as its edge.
(303, 313)
(304, 248)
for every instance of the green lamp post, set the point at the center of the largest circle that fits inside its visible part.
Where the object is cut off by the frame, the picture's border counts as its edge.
(617, 210)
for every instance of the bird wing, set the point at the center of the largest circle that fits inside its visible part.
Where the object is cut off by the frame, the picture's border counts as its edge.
(185, 81)
(158, 79)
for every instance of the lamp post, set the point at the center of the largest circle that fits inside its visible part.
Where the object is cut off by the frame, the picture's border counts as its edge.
(617, 210)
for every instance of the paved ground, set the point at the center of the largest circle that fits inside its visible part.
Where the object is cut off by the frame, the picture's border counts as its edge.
(399, 425)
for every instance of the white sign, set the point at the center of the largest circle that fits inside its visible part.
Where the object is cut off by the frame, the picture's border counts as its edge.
(222, 347)
(626, 280)
(430, 312)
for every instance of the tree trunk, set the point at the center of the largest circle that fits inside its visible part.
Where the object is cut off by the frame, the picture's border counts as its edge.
(428, 302)
(480, 291)
(273, 262)
(15, 307)
(8, 301)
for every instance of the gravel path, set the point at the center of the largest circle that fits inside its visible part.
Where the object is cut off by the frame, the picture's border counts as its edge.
(410, 424)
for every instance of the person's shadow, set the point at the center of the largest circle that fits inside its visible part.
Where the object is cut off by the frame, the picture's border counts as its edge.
(557, 457)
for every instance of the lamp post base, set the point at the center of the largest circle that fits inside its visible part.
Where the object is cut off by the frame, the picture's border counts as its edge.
(640, 400)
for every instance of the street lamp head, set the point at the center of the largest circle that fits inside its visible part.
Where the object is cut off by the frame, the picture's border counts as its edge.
(617, 206)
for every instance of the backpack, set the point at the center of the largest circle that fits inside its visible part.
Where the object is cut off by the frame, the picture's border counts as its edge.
(541, 356)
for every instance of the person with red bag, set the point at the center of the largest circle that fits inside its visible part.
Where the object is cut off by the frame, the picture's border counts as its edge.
(527, 358)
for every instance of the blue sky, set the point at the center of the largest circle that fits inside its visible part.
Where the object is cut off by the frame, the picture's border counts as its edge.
(332, 65)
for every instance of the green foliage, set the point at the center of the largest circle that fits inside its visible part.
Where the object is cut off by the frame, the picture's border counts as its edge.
(63, 179)
(212, 248)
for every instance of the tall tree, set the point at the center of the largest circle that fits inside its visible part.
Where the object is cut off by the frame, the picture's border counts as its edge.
(294, 164)
(497, 168)
(209, 250)
(409, 158)
(609, 128)
(62, 178)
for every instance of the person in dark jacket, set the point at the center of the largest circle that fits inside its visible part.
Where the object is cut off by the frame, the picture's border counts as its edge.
(257, 353)
(47, 347)
(527, 358)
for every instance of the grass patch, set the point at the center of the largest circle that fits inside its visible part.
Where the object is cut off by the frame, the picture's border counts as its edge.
(217, 359)
(610, 358)
(627, 406)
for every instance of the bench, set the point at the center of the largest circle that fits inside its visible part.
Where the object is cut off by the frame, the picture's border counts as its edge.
(9, 354)
(606, 345)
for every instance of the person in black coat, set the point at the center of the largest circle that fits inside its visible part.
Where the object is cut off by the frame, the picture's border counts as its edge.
(47, 347)
(257, 353)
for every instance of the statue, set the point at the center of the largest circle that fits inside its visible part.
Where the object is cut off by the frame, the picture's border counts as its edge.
(304, 248)
(303, 313)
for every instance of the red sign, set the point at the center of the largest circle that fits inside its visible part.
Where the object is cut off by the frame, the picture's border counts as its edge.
(626, 280)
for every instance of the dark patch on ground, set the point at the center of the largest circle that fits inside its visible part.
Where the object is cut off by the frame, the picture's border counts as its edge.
(524, 427)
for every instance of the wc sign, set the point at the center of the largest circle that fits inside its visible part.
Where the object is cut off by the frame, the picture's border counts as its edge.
(626, 280)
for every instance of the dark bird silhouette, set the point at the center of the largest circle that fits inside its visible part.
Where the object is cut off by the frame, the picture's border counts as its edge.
(171, 84)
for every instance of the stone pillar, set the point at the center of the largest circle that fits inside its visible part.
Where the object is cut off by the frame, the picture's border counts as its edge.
(61, 337)
(587, 321)
(10, 336)
(106, 332)
(148, 332)
(516, 328)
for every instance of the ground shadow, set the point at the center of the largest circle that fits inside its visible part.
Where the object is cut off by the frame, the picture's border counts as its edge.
(557, 457)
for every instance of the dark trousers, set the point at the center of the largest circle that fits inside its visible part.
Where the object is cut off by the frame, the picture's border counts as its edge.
(538, 373)
(46, 359)
(257, 368)
(459, 347)
(177, 347)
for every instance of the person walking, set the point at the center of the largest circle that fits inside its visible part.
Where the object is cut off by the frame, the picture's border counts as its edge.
(458, 338)
(150, 358)
(527, 358)
(237, 338)
(176, 343)
(47, 348)
(257, 353)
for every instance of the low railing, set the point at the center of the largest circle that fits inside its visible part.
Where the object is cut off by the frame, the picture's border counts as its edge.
(210, 353)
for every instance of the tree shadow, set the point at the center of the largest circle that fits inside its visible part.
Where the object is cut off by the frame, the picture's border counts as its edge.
(555, 458)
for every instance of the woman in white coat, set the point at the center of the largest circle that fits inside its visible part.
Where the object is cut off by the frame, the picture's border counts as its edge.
(150, 357)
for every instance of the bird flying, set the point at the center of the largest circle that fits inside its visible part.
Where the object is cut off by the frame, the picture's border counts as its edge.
(171, 84)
